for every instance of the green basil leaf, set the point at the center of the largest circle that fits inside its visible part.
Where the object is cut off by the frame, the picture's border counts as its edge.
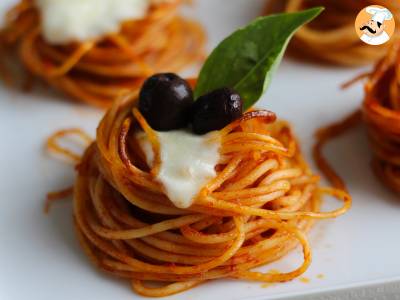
(247, 59)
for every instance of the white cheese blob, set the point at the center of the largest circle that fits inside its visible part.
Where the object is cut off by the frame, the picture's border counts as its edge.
(65, 21)
(187, 162)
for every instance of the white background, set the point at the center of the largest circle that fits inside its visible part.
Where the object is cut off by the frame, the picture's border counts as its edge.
(41, 259)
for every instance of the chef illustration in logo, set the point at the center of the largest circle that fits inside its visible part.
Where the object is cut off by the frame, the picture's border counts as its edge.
(373, 31)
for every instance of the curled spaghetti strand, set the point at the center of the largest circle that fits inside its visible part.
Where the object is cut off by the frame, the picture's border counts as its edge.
(260, 206)
(323, 136)
(53, 143)
(331, 37)
(96, 72)
(53, 146)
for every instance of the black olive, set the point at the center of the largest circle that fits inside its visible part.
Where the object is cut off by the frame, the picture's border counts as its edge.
(165, 101)
(215, 110)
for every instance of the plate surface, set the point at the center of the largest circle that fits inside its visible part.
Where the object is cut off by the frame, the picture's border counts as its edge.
(41, 259)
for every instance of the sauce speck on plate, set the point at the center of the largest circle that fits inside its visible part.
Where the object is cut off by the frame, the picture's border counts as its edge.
(304, 280)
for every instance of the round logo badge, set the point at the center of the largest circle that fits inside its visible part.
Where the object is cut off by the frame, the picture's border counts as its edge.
(374, 25)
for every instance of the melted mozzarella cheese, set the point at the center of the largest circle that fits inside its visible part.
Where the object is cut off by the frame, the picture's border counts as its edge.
(187, 162)
(65, 21)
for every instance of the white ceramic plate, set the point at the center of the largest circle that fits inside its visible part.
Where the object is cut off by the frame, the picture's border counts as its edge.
(41, 259)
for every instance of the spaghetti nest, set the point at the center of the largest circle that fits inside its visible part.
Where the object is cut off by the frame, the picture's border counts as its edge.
(331, 37)
(258, 207)
(97, 71)
(381, 114)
